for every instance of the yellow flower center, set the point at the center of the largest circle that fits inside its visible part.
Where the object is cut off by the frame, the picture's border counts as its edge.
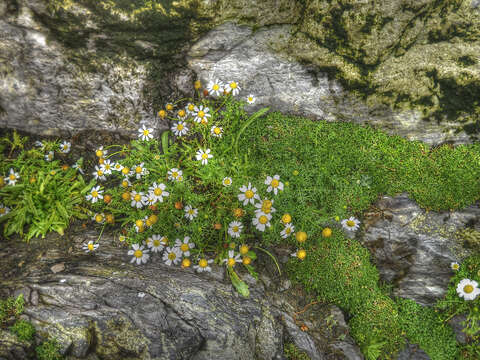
(99, 153)
(468, 288)
(215, 87)
(164, 240)
(180, 127)
(203, 263)
(288, 230)
(233, 85)
(184, 247)
(266, 210)
(191, 107)
(301, 236)
(107, 166)
(286, 218)
(204, 156)
(98, 218)
(455, 266)
(156, 243)
(169, 107)
(227, 181)
(246, 260)
(172, 256)
(301, 254)
(153, 219)
(351, 223)
(157, 191)
(137, 197)
(231, 262)
(138, 253)
(139, 223)
(204, 121)
(186, 263)
(244, 249)
(201, 114)
(197, 84)
(249, 194)
(174, 174)
(12, 177)
(101, 161)
(125, 170)
(274, 183)
(217, 130)
(250, 98)
(94, 194)
(138, 169)
(90, 247)
(2, 210)
(235, 229)
(181, 113)
(191, 212)
(162, 113)
(125, 183)
(100, 173)
(263, 219)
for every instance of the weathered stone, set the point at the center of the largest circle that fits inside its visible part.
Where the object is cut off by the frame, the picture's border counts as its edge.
(413, 249)
(457, 326)
(412, 352)
(11, 348)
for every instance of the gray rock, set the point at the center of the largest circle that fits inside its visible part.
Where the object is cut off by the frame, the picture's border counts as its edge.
(456, 324)
(412, 352)
(256, 59)
(413, 249)
(93, 309)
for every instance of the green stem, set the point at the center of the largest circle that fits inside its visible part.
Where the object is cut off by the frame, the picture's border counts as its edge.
(101, 232)
(273, 257)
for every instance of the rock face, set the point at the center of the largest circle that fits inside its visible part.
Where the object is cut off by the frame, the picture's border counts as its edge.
(99, 305)
(413, 249)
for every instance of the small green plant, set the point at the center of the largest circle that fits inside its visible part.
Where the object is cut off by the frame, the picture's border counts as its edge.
(292, 352)
(11, 309)
(49, 350)
(23, 329)
(38, 194)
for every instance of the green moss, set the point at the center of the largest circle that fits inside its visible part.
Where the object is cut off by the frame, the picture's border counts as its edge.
(23, 329)
(11, 308)
(292, 352)
(423, 327)
(48, 350)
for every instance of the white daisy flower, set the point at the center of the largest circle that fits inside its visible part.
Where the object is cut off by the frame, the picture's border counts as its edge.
(99, 218)
(201, 113)
(249, 194)
(182, 114)
(140, 255)
(204, 156)
(117, 167)
(90, 246)
(4, 210)
(49, 156)
(180, 128)
(184, 246)
(138, 199)
(95, 194)
(261, 220)
(300, 254)
(250, 99)
(274, 184)
(126, 182)
(155, 243)
(235, 229)
(351, 224)
(190, 109)
(203, 265)
(233, 87)
(289, 229)
(232, 259)
(174, 173)
(78, 166)
(145, 133)
(265, 206)
(39, 144)
(100, 152)
(65, 147)
(98, 173)
(150, 199)
(140, 224)
(227, 181)
(190, 212)
(216, 131)
(12, 177)
(215, 87)
(172, 255)
(159, 191)
(139, 170)
(468, 289)
(455, 266)
(107, 167)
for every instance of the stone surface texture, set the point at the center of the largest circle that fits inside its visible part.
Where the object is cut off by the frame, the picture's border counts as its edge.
(413, 249)
(100, 305)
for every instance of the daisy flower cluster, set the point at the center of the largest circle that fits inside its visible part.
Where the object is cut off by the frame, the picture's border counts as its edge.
(466, 288)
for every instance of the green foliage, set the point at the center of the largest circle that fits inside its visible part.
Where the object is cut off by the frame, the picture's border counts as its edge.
(46, 197)
(24, 330)
(49, 350)
(294, 353)
(11, 308)
(424, 326)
